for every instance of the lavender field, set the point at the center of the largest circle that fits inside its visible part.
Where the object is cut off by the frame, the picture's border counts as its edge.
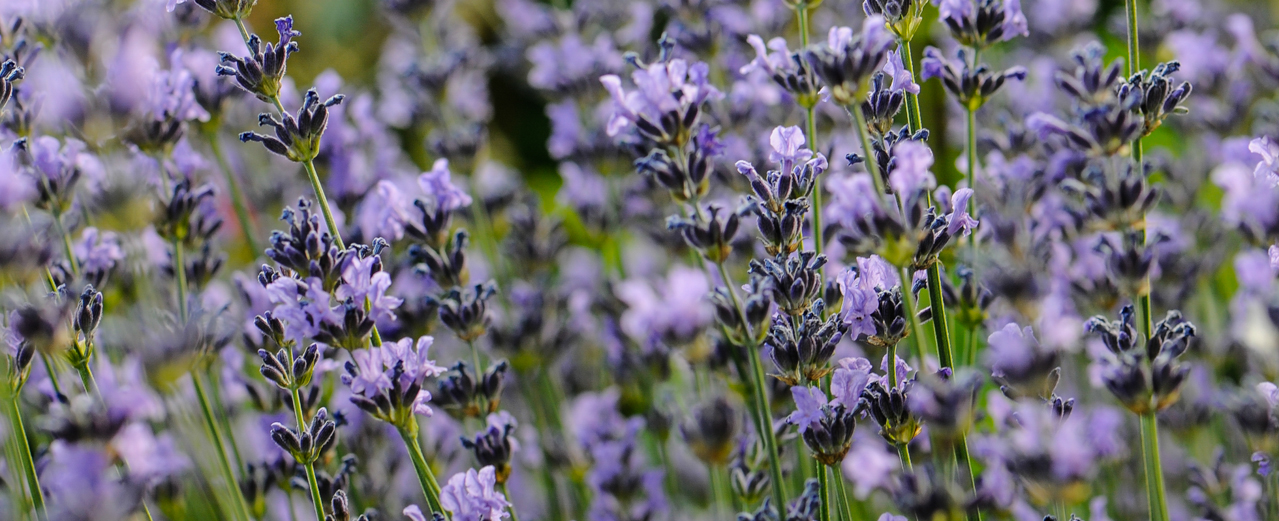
(639, 260)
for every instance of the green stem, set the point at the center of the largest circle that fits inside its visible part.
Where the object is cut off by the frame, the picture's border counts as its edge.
(180, 274)
(763, 411)
(66, 245)
(810, 121)
(971, 123)
(28, 462)
(425, 478)
(309, 465)
(917, 329)
(237, 195)
(941, 327)
(323, 201)
(215, 431)
(863, 133)
(903, 453)
(1134, 53)
(912, 100)
(1155, 495)
(823, 481)
(53, 373)
(510, 505)
(843, 493)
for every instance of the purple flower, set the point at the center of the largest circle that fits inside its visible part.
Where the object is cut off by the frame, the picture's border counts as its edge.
(903, 369)
(680, 310)
(809, 402)
(148, 456)
(960, 222)
(1015, 23)
(870, 466)
(848, 381)
(473, 496)
(860, 288)
(788, 147)
(1011, 349)
(1270, 392)
(661, 88)
(172, 97)
(371, 371)
(440, 189)
(913, 159)
(902, 79)
(566, 128)
(933, 64)
(955, 9)
(362, 285)
(1268, 167)
(853, 198)
(417, 367)
(766, 61)
(582, 188)
(384, 212)
(372, 379)
(304, 306)
(97, 251)
(19, 189)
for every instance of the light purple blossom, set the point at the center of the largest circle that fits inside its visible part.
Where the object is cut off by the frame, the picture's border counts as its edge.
(303, 306)
(172, 96)
(660, 88)
(98, 251)
(853, 197)
(788, 149)
(384, 212)
(871, 466)
(809, 402)
(960, 222)
(440, 189)
(849, 379)
(955, 9)
(19, 189)
(1015, 23)
(902, 78)
(582, 188)
(679, 307)
(473, 496)
(361, 284)
(913, 159)
(860, 288)
(768, 62)
(375, 368)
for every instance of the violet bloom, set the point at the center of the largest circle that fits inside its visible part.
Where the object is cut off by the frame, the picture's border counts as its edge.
(847, 382)
(678, 312)
(661, 88)
(172, 97)
(19, 189)
(809, 402)
(769, 62)
(860, 288)
(913, 159)
(362, 285)
(304, 306)
(473, 496)
(960, 222)
(396, 365)
(583, 189)
(436, 184)
(853, 198)
(384, 212)
(97, 251)
(787, 148)
(902, 78)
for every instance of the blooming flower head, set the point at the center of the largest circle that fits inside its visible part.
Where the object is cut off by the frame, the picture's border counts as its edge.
(912, 160)
(440, 189)
(860, 288)
(788, 147)
(661, 88)
(902, 78)
(473, 496)
(808, 406)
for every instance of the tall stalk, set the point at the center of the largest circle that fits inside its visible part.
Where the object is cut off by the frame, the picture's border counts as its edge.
(238, 200)
(309, 466)
(941, 326)
(823, 481)
(810, 122)
(763, 411)
(425, 478)
(1154, 470)
(1155, 491)
(28, 462)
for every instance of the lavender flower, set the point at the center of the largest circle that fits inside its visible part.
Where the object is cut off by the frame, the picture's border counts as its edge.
(472, 496)
(442, 192)
(670, 88)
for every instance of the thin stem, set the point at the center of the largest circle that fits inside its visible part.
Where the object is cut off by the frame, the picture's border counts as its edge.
(215, 431)
(53, 373)
(1155, 495)
(430, 487)
(323, 201)
(903, 453)
(863, 133)
(238, 200)
(912, 100)
(763, 411)
(810, 121)
(916, 328)
(941, 327)
(66, 245)
(843, 493)
(310, 465)
(971, 124)
(823, 481)
(28, 462)
(510, 505)
(180, 274)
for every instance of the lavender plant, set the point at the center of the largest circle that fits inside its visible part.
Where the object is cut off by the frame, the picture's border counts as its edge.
(638, 261)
